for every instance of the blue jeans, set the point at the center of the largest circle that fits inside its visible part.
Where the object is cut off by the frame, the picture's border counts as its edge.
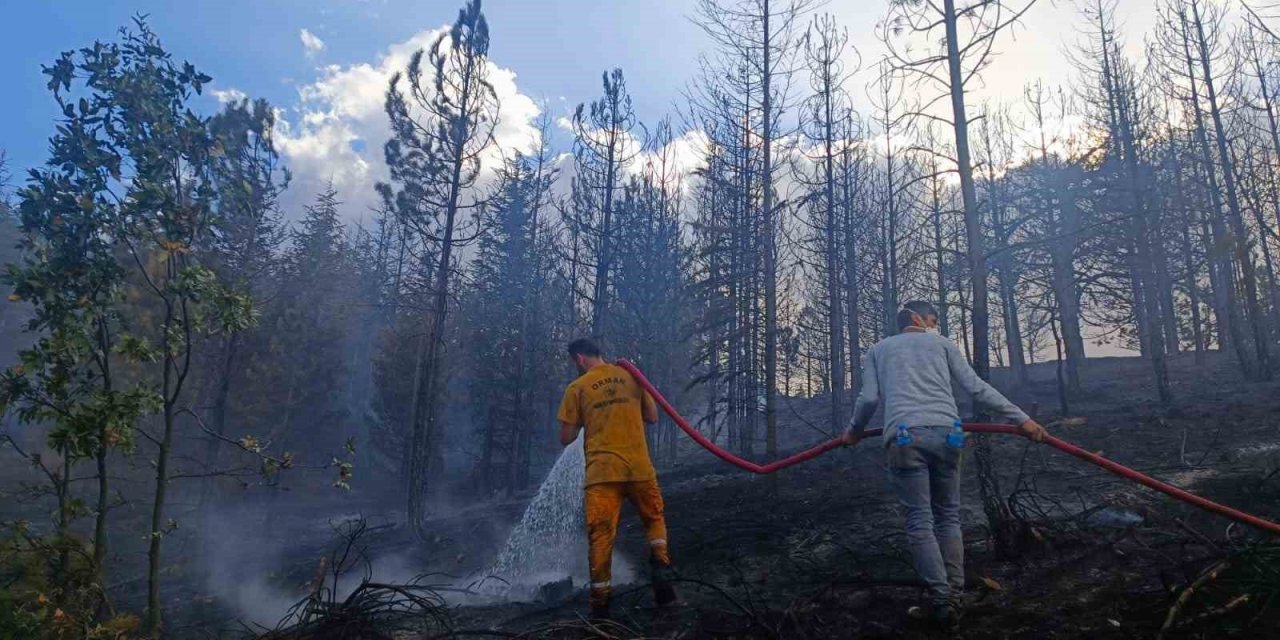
(926, 477)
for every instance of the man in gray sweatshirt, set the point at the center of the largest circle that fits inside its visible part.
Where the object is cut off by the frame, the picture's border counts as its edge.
(911, 375)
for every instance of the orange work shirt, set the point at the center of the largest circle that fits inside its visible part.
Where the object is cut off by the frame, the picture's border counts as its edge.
(606, 402)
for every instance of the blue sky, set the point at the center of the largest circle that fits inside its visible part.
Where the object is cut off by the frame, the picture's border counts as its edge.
(557, 48)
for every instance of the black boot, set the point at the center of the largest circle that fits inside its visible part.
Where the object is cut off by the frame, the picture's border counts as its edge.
(942, 616)
(664, 594)
(947, 618)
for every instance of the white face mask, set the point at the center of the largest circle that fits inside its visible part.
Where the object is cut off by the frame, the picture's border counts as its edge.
(934, 328)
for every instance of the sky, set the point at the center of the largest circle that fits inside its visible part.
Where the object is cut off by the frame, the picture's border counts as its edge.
(324, 63)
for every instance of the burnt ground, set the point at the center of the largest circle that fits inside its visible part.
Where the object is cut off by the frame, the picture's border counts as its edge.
(817, 551)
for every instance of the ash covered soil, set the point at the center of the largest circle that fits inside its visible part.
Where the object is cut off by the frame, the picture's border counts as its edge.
(817, 551)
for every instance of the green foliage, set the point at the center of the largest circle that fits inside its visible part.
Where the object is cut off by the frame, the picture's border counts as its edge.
(123, 112)
(345, 470)
(38, 604)
(115, 227)
(218, 307)
(70, 275)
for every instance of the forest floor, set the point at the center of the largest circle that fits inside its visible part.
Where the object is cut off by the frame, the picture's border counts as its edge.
(817, 551)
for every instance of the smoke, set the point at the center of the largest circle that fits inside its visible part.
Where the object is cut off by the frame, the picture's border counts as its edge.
(236, 549)
(258, 568)
(258, 573)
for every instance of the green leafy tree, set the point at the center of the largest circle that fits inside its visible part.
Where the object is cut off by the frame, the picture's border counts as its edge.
(69, 276)
(139, 159)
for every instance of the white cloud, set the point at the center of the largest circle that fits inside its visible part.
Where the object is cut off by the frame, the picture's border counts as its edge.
(338, 130)
(311, 42)
(672, 165)
(686, 153)
(228, 95)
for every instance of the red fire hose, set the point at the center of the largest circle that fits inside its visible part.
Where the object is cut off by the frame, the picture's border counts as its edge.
(1057, 443)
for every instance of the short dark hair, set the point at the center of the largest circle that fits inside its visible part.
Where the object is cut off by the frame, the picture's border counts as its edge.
(584, 347)
(914, 308)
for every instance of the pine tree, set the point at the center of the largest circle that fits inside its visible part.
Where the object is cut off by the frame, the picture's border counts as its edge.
(654, 307)
(828, 125)
(604, 148)
(307, 324)
(443, 123)
(747, 85)
(515, 312)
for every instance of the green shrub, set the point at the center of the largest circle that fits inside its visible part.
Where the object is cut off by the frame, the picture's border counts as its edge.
(48, 591)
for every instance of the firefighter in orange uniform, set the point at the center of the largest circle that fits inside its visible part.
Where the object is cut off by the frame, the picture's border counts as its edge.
(606, 402)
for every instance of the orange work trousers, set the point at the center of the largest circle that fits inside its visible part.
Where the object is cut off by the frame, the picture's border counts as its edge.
(603, 506)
